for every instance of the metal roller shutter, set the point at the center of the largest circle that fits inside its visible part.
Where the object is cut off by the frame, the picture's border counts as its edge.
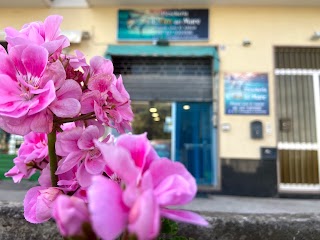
(166, 78)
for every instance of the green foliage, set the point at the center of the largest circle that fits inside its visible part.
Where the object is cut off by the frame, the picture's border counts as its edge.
(6, 163)
(169, 226)
(169, 230)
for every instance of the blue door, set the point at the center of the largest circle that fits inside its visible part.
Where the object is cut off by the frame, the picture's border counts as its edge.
(193, 140)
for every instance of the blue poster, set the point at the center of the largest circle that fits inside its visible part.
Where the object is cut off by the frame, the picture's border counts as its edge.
(246, 93)
(169, 24)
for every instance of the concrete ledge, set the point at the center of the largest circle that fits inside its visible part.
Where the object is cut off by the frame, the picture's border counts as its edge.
(223, 226)
(229, 226)
(14, 226)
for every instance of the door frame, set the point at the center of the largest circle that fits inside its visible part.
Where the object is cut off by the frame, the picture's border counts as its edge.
(291, 187)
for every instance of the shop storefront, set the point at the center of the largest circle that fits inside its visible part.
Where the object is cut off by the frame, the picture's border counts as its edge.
(172, 94)
(230, 91)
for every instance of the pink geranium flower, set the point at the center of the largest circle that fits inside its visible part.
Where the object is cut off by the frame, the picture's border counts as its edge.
(106, 96)
(32, 86)
(32, 156)
(38, 203)
(46, 34)
(18, 174)
(23, 92)
(151, 185)
(78, 148)
(70, 213)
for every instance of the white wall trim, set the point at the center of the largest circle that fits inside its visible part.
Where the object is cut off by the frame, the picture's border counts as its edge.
(295, 71)
(294, 187)
(297, 146)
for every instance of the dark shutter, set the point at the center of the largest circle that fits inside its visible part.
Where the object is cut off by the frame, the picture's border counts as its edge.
(166, 78)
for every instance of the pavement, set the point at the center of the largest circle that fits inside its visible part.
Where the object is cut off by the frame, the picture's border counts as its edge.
(11, 192)
(254, 205)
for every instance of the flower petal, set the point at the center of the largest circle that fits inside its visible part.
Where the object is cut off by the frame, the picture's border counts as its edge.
(87, 101)
(9, 92)
(45, 177)
(183, 216)
(15, 55)
(15, 173)
(56, 45)
(173, 190)
(99, 64)
(20, 126)
(69, 162)
(7, 67)
(52, 27)
(41, 122)
(70, 89)
(100, 82)
(30, 202)
(54, 72)
(137, 145)
(85, 142)
(67, 141)
(34, 59)
(66, 108)
(44, 99)
(144, 217)
(70, 213)
(173, 184)
(95, 165)
(119, 161)
(2, 50)
(84, 178)
(108, 213)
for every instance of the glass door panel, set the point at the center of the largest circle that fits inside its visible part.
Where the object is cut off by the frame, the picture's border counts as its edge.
(155, 119)
(193, 139)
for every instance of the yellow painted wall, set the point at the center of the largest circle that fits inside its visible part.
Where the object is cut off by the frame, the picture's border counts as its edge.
(265, 27)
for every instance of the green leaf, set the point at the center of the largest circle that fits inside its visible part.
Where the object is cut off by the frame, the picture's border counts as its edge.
(169, 230)
(169, 227)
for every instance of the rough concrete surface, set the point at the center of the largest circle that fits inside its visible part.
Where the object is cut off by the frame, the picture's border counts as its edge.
(223, 226)
(13, 226)
(230, 218)
(228, 226)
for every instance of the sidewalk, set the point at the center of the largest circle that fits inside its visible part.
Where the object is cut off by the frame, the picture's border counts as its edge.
(254, 205)
(11, 192)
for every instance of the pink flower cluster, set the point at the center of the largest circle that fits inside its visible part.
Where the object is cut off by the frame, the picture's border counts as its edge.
(113, 186)
(40, 83)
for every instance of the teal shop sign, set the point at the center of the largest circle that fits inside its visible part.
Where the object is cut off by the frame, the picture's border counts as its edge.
(170, 24)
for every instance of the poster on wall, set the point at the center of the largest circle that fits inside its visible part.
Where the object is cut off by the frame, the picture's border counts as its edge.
(169, 24)
(246, 93)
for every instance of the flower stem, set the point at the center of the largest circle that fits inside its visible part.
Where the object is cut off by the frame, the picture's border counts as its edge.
(53, 157)
(81, 117)
(126, 236)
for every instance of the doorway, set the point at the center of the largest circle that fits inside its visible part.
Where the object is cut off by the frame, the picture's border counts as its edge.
(298, 106)
(172, 101)
(181, 131)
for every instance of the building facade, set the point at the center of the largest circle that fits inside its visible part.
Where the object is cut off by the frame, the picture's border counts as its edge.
(239, 107)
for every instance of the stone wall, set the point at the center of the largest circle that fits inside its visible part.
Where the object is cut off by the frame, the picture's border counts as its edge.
(223, 226)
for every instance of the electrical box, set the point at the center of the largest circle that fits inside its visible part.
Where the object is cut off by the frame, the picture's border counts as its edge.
(285, 124)
(256, 130)
(268, 153)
